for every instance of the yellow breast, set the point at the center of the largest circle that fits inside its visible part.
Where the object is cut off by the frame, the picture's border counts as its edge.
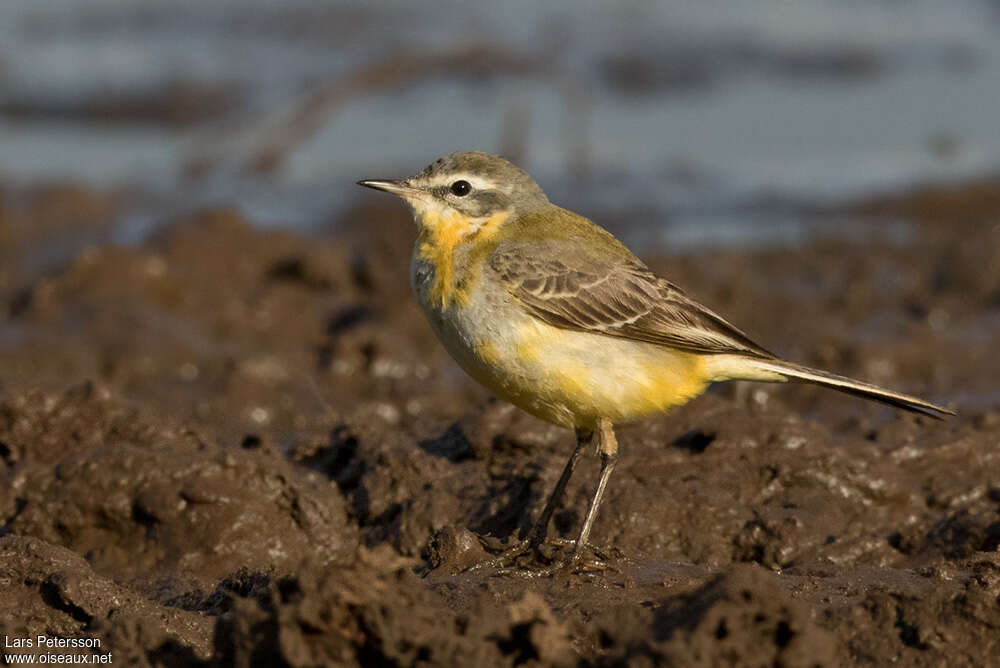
(443, 232)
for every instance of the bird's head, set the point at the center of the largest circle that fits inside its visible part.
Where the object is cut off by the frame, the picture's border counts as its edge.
(464, 192)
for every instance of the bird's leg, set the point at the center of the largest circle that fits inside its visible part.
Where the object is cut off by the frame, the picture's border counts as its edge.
(607, 445)
(541, 527)
(537, 534)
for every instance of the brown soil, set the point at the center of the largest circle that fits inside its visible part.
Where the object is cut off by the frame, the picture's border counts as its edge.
(230, 446)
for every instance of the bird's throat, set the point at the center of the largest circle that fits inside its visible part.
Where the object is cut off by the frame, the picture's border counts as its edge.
(446, 237)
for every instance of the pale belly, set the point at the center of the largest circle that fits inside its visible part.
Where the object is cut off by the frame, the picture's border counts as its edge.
(566, 377)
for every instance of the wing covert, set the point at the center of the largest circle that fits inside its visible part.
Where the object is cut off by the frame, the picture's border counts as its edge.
(565, 288)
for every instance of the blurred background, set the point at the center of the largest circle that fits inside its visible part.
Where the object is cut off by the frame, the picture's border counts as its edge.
(212, 372)
(689, 123)
(713, 137)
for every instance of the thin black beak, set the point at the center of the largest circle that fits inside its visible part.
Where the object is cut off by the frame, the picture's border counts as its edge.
(401, 188)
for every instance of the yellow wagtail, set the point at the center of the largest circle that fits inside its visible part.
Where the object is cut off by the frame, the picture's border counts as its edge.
(555, 315)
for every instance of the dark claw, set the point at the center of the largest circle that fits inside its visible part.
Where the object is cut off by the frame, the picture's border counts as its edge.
(575, 562)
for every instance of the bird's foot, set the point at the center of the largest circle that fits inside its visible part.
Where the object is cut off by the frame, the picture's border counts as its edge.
(502, 560)
(557, 555)
(572, 563)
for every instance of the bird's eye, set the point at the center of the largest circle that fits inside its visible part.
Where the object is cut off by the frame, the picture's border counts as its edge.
(460, 188)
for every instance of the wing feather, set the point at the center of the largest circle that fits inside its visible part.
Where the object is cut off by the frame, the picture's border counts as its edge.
(564, 287)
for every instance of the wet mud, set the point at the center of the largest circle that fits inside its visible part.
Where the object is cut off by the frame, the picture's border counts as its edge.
(229, 446)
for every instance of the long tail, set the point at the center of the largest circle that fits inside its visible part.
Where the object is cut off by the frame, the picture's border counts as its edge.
(778, 370)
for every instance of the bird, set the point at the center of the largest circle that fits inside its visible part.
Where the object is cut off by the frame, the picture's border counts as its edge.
(552, 313)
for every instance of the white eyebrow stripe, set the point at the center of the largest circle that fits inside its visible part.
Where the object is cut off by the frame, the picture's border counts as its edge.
(477, 182)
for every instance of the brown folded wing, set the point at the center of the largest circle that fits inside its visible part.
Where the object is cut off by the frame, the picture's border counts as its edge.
(623, 299)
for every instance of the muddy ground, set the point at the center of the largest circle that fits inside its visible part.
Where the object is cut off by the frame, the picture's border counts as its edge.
(231, 446)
